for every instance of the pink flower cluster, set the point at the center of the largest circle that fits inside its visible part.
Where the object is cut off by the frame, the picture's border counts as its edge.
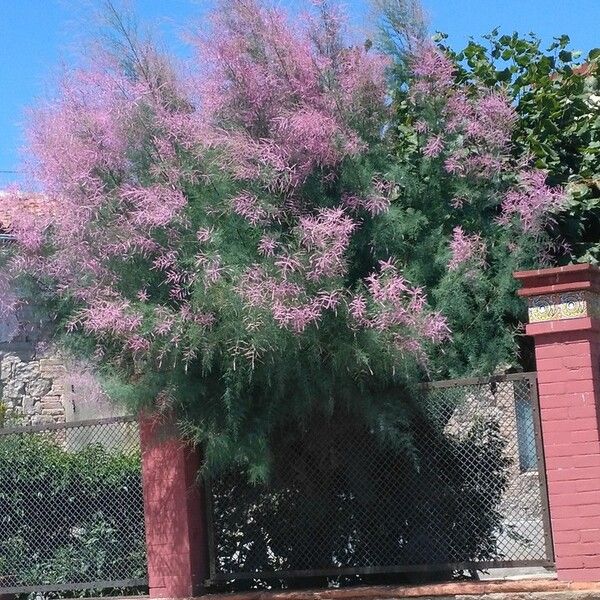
(468, 129)
(471, 128)
(375, 203)
(247, 205)
(288, 302)
(326, 237)
(113, 317)
(532, 201)
(282, 97)
(148, 174)
(466, 248)
(298, 287)
(394, 307)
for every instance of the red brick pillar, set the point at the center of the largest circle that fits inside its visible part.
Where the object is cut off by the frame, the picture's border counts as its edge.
(174, 512)
(564, 321)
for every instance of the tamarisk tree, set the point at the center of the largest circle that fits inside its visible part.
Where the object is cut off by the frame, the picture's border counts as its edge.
(217, 237)
(470, 210)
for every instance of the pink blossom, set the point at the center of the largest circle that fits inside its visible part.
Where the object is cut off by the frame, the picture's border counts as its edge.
(287, 264)
(164, 325)
(326, 236)
(433, 70)
(465, 248)
(137, 343)
(421, 126)
(153, 206)
(296, 318)
(376, 202)
(473, 128)
(109, 316)
(247, 205)
(434, 146)
(213, 271)
(532, 201)
(152, 167)
(329, 300)
(358, 309)
(205, 234)
(267, 245)
(457, 202)
(399, 310)
(265, 76)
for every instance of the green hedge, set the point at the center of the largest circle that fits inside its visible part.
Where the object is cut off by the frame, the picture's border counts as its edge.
(68, 516)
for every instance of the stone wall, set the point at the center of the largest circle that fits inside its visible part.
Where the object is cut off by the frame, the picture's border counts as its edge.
(32, 388)
(38, 386)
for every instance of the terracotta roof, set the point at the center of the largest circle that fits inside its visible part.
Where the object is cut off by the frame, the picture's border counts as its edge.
(584, 69)
(32, 203)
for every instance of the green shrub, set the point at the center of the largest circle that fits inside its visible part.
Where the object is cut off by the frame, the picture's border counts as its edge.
(68, 516)
(340, 495)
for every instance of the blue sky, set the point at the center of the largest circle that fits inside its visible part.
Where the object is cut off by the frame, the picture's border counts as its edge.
(37, 36)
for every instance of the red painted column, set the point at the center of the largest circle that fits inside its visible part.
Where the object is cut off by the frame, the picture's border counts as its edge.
(174, 512)
(564, 321)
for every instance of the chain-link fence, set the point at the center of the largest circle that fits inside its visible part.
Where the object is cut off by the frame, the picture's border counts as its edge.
(459, 485)
(71, 507)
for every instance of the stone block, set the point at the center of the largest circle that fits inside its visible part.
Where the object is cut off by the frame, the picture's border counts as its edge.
(46, 363)
(53, 411)
(42, 419)
(57, 389)
(14, 389)
(39, 387)
(7, 367)
(53, 373)
(31, 405)
(27, 370)
(51, 402)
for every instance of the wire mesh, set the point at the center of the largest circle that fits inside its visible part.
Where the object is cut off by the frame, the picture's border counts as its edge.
(71, 506)
(460, 485)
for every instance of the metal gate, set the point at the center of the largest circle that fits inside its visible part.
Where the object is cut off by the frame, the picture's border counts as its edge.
(71, 507)
(461, 485)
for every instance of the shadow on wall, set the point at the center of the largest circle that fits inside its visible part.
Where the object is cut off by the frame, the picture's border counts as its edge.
(84, 398)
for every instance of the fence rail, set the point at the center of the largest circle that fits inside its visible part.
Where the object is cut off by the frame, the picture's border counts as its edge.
(71, 507)
(462, 486)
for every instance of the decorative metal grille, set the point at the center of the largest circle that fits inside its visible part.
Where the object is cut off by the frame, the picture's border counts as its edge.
(456, 488)
(71, 507)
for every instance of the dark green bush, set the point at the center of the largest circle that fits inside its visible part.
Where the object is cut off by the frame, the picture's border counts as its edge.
(68, 516)
(340, 495)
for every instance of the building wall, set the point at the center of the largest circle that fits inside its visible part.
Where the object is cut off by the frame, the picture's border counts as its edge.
(521, 505)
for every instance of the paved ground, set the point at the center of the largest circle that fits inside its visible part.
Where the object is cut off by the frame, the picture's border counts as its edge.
(537, 589)
(517, 574)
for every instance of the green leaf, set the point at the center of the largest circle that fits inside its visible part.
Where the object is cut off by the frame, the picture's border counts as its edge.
(565, 56)
(594, 54)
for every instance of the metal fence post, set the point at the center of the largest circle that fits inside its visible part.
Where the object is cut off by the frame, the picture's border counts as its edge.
(174, 511)
(564, 321)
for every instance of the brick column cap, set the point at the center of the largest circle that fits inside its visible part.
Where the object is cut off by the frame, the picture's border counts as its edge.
(570, 278)
(567, 326)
